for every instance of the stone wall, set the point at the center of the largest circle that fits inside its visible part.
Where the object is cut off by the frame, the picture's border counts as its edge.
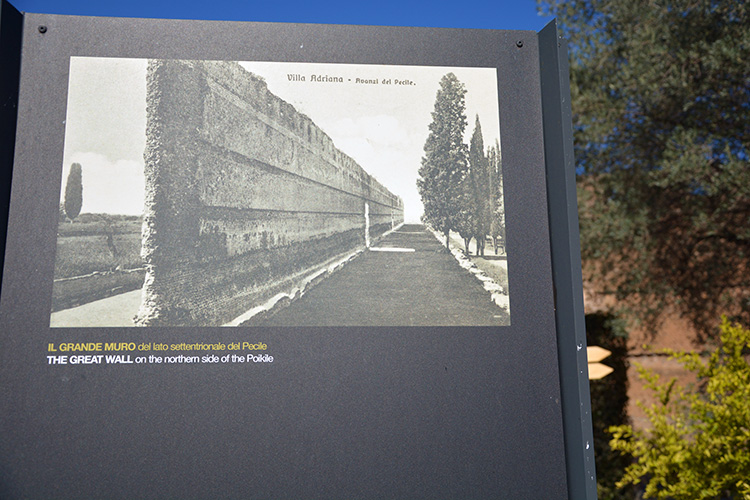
(244, 195)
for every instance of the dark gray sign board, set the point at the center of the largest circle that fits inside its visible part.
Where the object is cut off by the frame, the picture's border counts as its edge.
(363, 411)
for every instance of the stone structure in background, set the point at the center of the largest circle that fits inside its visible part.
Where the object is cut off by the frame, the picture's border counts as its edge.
(244, 195)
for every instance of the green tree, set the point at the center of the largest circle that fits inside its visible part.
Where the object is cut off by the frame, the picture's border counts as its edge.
(74, 192)
(661, 113)
(445, 164)
(698, 446)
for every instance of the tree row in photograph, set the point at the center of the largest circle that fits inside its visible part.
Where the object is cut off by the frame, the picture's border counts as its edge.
(460, 185)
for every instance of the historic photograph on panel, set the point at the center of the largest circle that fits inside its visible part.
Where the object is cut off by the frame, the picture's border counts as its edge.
(217, 193)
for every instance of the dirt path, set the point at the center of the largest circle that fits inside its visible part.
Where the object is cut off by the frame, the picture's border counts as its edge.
(408, 279)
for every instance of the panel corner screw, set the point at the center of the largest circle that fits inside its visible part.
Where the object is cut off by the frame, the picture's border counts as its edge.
(519, 43)
(42, 29)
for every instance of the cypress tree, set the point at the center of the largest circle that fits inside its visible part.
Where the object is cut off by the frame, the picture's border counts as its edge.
(445, 163)
(74, 192)
(497, 214)
(480, 187)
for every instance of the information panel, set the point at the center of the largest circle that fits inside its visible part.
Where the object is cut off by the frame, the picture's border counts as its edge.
(291, 261)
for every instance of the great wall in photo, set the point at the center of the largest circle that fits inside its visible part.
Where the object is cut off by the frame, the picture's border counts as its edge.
(244, 195)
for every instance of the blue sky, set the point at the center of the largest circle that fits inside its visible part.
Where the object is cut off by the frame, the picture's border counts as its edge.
(486, 14)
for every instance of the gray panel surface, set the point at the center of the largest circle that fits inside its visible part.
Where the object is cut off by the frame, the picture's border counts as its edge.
(343, 412)
(566, 264)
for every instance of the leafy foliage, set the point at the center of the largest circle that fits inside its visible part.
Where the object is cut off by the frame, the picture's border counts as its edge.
(699, 443)
(445, 163)
(661, 111)
(74, 192)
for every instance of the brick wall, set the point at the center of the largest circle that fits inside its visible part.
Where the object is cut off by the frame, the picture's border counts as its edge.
(243, 195)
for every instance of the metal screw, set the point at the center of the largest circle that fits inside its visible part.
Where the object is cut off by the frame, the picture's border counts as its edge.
(42, 29)
(519, 43)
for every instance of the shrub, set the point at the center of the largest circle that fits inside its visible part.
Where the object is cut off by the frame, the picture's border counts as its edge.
(698, 446)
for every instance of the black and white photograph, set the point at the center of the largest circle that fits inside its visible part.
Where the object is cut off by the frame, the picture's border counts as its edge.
(223, 193)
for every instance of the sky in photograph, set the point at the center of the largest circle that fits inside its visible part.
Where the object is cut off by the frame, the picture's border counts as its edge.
(121, 156)
(383, 126)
